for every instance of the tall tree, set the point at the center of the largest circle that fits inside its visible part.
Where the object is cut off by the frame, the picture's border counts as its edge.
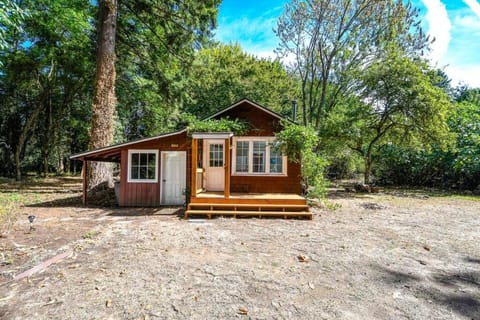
(104, 99)
(399, 104)
(332, 41)
(45, 69)
(223, 74)
(157, 43)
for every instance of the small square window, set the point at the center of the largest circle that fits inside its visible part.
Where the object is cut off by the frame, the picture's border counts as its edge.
(143, 166)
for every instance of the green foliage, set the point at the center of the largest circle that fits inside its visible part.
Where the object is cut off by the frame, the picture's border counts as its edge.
(46, 81)
(11, 16)
(400, 105)
(458, 166)
(157, 42)
(8, 210)
(299, 143)
(90, 234)
(221, 125)
(224, 74)
(333, 41)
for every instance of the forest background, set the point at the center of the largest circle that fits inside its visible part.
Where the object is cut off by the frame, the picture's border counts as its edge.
(358, 72)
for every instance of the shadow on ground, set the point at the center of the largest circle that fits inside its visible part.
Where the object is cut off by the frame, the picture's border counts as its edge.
(75, 201)
(456, 291)
(153, 211)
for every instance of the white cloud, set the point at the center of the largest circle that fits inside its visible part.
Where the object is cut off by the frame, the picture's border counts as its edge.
(471, 23)
(474, 5)
(467, 74)
(438, 27)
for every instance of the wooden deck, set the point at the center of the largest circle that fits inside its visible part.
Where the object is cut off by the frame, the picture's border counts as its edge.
(285, 206)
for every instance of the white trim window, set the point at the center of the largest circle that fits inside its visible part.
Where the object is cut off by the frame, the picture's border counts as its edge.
(256, 156)
(143, 166)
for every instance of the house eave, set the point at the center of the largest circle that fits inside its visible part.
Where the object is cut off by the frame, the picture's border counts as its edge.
(212, 135)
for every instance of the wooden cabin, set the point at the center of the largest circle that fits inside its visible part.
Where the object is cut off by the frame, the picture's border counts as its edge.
(216, 173)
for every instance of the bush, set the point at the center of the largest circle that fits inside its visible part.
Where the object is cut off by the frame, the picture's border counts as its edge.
(300, 143)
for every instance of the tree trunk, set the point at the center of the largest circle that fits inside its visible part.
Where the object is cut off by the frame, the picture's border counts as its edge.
(368, 170)
(104, 100)
(368, 167)
(22, 139)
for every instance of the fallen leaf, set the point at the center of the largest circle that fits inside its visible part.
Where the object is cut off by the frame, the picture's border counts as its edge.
(302, 258)
(242, 311)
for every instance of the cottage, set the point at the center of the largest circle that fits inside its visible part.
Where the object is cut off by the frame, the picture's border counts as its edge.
(217, 173)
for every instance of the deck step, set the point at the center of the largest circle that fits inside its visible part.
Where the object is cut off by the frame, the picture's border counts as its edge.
(244, 205)
(243, 213)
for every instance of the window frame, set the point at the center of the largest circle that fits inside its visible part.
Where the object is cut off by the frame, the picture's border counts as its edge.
(250, 140)
(129, 165)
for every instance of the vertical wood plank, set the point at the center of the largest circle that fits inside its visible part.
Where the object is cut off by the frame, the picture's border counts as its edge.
(193, 188)
(84, 179)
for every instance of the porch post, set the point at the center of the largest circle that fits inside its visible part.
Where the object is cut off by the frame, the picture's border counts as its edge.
(226, 192)
(84, 182)
(193, 187)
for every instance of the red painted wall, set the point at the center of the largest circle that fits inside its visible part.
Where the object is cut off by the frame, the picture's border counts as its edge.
(148, 194)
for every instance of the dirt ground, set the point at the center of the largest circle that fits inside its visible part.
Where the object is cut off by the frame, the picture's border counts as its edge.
(381, 256)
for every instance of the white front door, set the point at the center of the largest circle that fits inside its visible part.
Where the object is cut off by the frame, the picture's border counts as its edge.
(173, 177)
(214, 168)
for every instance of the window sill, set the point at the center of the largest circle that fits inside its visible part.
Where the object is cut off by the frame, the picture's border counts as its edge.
(142, 181)
(239, 174)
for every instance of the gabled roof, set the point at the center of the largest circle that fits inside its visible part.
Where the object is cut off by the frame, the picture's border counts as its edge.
(112, 153)
(256, 105)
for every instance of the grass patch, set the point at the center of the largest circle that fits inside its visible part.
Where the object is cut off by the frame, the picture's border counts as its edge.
(90, 234)
(455, 196)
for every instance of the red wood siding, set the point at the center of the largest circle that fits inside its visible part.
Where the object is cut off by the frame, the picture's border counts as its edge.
(148, 194)
(269, 184)
(261, 123)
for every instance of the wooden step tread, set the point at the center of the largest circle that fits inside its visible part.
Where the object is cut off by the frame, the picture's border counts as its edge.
(284, 214)
(247, 205)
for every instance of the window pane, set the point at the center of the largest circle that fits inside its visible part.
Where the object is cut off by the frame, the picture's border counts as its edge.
(241, 164)
(143, 159)
(134, 159)
(216, 155)
(276, 161)
(151, 172)
(152, 160)
(143, 173)
(143, 166)
(134, 172)
(259, 152)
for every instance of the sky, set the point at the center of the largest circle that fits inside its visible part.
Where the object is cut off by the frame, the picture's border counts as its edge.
(455, 25)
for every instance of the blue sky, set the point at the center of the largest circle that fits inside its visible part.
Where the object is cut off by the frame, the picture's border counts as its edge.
(455, 24)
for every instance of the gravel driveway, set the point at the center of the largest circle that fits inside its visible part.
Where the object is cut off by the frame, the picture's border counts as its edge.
(375, 257)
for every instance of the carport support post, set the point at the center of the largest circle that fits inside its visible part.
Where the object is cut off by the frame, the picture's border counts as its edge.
(84, 185)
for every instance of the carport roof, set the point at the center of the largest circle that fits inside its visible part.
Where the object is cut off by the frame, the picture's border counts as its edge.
(113, 153)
